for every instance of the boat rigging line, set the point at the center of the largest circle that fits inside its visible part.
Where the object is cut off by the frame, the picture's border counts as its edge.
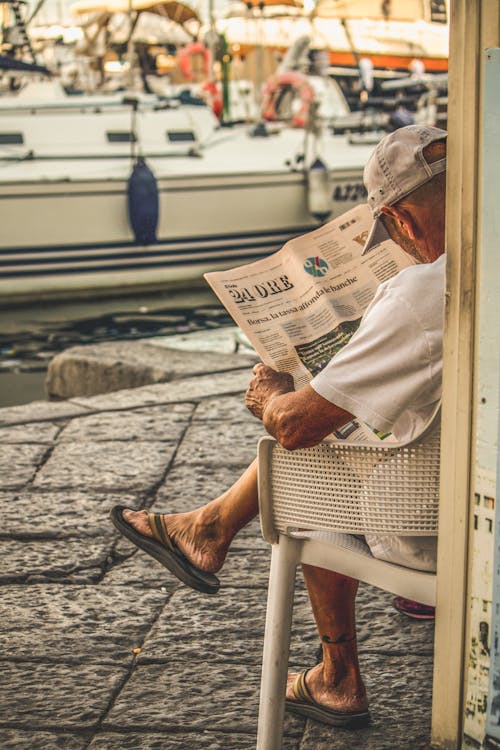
(22, 28)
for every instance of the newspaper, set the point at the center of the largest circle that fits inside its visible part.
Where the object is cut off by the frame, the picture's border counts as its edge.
(299, 306)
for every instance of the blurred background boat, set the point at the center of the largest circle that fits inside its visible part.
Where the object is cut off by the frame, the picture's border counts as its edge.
(162, 157)
(223, 195)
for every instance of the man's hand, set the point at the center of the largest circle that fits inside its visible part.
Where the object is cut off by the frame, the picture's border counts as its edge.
(266, 384)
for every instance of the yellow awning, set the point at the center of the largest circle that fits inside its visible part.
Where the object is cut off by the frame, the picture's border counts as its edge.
(172, 9)
(376, 10)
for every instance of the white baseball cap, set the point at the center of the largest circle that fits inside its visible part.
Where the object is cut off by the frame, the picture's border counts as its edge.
(395, 169)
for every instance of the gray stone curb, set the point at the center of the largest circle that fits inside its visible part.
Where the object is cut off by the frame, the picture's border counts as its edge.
(114, 366)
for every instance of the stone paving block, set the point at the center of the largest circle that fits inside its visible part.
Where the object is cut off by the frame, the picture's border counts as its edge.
(20, 739)
(225, 628)
(399, 691)
(18, 464)
(123, 549)
(6, 498)
(198, 695)
(141, 570)
(62, 696)
(156, 424)
(381, 628)
(38, 411)
(248, 569)
(177, 391)
(61, 513)
(220, 444)
(181, 741)
(106, 465)
(76, 623)
(224, 409)
(77, 560)
(36, 432)
(187, 487)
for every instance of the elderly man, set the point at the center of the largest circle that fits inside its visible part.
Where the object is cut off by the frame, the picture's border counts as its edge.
(388, 375)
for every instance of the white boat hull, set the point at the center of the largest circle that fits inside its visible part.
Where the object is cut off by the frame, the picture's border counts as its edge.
(58, 236)
(231, 198)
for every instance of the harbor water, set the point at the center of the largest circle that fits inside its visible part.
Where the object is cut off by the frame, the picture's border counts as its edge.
(31, 335)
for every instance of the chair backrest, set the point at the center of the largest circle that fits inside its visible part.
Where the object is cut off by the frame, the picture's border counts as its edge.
(354, 488)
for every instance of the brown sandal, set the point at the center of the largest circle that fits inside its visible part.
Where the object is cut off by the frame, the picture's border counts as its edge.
(164, 549)
(305, 705)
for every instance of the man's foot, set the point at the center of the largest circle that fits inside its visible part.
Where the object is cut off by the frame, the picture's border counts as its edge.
(347, 697)
(194, 535)
(343, 705)
(159, 544)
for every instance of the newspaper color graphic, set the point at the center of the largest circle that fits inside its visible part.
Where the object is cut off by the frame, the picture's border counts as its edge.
(316, 266)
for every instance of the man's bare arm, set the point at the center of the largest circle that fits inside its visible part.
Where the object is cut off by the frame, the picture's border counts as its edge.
(297, 419)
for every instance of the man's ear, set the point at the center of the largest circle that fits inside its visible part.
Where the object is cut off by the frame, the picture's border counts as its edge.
(403, 219)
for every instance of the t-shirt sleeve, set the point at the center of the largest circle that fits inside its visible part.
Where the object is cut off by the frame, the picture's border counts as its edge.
(385, 369)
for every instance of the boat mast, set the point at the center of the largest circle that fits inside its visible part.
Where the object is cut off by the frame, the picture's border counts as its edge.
(22, 28)
(130, 45)
(212, 36)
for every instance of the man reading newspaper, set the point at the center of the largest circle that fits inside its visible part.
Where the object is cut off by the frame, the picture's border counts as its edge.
(388, 375)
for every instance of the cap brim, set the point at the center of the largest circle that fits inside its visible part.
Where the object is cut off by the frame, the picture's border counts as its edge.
(378, 234)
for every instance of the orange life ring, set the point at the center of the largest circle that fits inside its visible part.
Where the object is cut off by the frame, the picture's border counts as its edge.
(273, 90)
(185, 58)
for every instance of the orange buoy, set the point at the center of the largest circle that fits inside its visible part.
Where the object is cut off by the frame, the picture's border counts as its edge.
(274, 93)
(187, 55)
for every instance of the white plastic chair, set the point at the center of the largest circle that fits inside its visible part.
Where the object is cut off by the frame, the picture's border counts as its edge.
(311, 503)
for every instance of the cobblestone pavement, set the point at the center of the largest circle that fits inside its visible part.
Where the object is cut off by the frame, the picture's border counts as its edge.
(102, 648)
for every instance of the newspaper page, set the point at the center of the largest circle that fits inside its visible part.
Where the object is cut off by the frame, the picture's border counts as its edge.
(299, 306)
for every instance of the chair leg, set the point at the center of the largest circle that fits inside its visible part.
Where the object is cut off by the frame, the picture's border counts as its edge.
(285, 555)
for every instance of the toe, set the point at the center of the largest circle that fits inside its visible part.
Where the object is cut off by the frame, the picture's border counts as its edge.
(138, 519)
(292, 676)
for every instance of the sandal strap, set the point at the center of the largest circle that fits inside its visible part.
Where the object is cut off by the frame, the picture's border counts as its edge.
(300, 689)
(159, 528)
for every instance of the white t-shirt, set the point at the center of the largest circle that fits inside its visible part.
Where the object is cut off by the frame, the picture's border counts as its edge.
(389, 375)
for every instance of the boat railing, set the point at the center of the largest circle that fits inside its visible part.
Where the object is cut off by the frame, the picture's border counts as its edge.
(13, 104)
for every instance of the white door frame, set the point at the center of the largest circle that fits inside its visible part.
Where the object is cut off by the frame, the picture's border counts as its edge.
(474, 26)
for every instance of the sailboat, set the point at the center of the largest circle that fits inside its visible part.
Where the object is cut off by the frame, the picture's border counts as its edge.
(71, 216)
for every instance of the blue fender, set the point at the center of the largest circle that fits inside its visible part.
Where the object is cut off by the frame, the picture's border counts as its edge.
(143, 203)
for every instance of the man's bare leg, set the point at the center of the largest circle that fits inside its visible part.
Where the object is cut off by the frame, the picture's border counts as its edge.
(336, 682)
(204, 534)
